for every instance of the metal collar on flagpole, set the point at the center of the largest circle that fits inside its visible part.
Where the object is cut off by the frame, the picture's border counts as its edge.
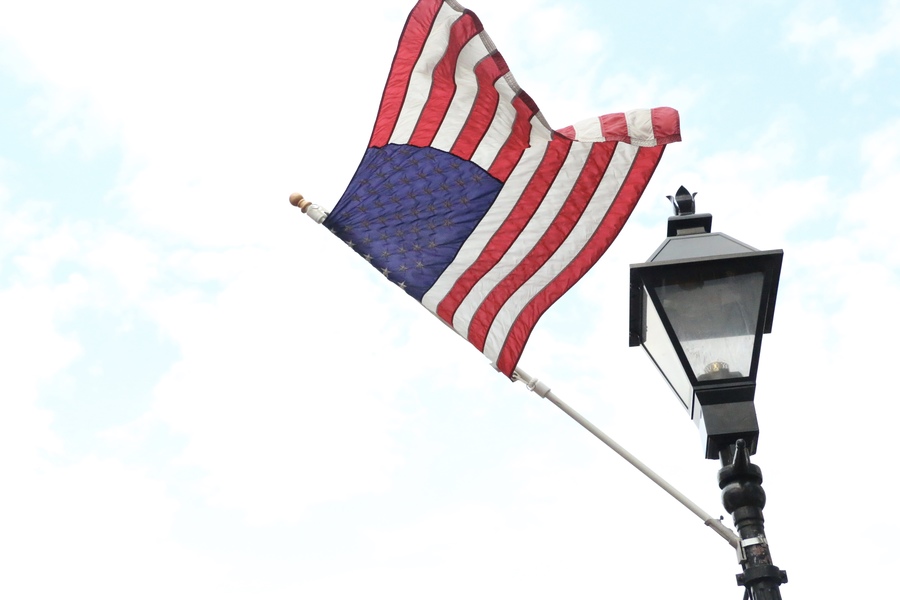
(543, 390)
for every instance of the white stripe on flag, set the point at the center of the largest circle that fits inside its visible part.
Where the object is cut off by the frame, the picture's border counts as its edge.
(589, 130)
(548, 210)
(501, 126)
(640, 127)
(421, 77)
(587, 225)
(540, 132)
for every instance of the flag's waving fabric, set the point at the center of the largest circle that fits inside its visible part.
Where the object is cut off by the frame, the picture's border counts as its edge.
(470, 202)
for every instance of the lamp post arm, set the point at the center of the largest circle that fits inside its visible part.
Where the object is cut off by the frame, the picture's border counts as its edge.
(542, 390)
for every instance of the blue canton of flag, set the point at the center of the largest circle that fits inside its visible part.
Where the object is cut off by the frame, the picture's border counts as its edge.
(411, 212)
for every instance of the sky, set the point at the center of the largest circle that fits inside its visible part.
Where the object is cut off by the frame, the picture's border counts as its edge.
(204, 394)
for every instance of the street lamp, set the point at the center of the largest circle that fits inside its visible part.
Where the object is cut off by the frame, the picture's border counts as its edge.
(700, 306)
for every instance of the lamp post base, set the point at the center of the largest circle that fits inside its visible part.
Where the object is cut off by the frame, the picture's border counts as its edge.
(744, 499)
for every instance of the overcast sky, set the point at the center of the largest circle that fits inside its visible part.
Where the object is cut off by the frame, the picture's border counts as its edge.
(205, 395)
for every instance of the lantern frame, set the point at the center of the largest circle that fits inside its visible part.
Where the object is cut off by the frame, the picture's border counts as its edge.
(721, 405)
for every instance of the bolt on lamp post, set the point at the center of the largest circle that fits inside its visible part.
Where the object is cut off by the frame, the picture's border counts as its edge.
(700, 306)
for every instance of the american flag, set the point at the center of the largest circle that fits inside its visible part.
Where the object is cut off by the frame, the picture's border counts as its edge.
(470, 202)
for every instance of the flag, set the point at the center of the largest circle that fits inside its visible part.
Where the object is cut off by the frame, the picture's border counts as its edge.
(469, 201)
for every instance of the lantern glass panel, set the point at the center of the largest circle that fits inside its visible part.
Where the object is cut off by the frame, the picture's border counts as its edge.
(715, 321)
(659, 347)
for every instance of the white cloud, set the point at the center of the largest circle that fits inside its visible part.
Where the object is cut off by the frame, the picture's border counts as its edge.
(276, 391)
(863, 46)
(99, 528)
(871, 212)
(132, 263)
(32, 351)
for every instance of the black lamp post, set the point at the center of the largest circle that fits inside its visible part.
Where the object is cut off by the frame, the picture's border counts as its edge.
(700, 306)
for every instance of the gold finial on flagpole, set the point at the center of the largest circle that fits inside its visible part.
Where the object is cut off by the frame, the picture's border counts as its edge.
(298, 201)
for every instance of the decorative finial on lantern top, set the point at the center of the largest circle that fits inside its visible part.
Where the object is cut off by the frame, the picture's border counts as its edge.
(683, 201)
(686, 221)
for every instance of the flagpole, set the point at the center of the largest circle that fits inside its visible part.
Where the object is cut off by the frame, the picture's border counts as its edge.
(542, 390)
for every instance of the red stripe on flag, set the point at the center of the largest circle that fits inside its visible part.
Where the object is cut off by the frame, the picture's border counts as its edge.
(615, 128)
(563, 223)
(666, 125)
(641, 170)
(519, 138)
(568, 131)
(487, 71)
(506, 234)
(412, 41)
(443, 85)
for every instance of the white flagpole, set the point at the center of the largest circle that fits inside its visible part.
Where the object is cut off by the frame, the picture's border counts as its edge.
(317, 214)
(542, 390)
